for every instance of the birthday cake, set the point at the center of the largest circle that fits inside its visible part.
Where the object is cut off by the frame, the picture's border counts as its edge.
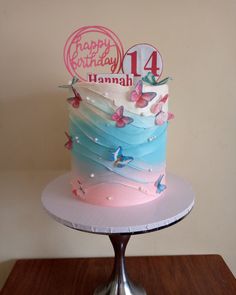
(117, 138)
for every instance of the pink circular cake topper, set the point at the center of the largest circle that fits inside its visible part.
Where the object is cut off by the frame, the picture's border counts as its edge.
(93, 49)
(142, 59)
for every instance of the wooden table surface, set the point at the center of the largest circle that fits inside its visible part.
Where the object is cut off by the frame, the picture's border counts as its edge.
(159, 275)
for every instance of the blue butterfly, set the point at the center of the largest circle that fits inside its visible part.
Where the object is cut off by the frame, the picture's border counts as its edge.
(151, 79)
(160, 187)
(119, 159)
(71, 84)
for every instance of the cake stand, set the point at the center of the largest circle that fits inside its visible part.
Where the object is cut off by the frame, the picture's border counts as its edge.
(118, 223)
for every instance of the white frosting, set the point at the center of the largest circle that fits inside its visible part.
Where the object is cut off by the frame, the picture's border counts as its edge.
(120, 95)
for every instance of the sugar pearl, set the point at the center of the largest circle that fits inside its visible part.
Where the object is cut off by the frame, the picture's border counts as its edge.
(109, 198)
(151, 138)
(92, 175)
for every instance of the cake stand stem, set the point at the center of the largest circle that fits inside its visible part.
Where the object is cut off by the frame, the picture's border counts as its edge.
(119, 283)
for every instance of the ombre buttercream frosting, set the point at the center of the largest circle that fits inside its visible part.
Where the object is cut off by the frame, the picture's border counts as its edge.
(118, 146)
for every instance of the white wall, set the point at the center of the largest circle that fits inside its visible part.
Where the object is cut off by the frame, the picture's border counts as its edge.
(197, 42)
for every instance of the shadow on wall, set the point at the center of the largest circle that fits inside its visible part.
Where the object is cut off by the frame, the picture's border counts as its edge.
(32, 129)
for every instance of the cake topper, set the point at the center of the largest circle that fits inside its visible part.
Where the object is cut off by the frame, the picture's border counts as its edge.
(93, 49)
(141, 59)
(122, 79)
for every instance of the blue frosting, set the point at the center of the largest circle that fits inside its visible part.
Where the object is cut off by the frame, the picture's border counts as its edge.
(98, 137)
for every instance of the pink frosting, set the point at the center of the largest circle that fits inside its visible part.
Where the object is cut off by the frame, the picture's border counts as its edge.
(117, 195)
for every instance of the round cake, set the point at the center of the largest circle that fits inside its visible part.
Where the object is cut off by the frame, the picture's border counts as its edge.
(117, 137)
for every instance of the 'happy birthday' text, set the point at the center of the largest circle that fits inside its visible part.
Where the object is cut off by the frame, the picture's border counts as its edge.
(93, 54)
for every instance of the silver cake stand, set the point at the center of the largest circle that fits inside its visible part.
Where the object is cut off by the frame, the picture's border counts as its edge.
(118, 223)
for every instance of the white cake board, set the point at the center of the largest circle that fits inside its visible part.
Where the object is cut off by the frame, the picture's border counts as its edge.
(175, 204)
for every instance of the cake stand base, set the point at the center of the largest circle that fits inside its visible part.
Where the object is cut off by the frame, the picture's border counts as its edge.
(119, 283)
(118, 223)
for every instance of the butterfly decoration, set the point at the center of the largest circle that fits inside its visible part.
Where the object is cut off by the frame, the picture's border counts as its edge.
(69, 142)
(120, 119)
(71, 83)
(119, 159)
(151, 79)
(80, 186)
(160, 187)
(157, 107)
(77, 188)
(75, 100)
(163, 117)
(141, 99)
(160, 116)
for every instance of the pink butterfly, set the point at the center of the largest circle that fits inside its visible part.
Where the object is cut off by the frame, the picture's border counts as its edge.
(121, 120)
(74, 192)
(141, 99)
(77, 188)
(69, 143)
(161, 117)
(76, 99)
(157, 107)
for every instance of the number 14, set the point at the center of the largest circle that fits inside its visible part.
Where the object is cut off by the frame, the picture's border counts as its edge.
(151, 64)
